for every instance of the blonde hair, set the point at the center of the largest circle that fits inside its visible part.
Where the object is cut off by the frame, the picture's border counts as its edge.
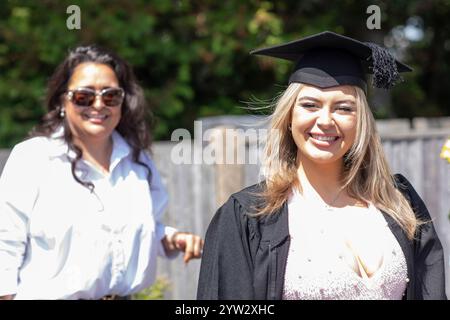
(366, 174)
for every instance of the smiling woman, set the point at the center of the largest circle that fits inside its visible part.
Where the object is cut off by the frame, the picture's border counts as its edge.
(86, 81)
(330, 221)
(92, 120)
(82, 196)
(324, 122)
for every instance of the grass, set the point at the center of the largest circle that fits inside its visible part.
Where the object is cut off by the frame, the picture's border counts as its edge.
(155, 292)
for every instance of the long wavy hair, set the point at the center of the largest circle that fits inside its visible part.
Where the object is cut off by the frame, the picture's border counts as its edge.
(366, 174)
(136, 119)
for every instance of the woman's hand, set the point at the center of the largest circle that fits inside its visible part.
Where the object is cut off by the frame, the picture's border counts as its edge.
(189, 243)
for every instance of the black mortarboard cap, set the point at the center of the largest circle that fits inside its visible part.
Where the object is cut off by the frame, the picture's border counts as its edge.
(328, 59)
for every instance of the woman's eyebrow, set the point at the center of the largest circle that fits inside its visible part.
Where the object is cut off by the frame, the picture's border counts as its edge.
(346, 101)
(318, 100)
(86, 87)
(308, 98)
(94, 88)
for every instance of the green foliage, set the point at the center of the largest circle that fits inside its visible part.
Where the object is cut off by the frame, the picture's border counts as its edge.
(192, 57)
(155, 292)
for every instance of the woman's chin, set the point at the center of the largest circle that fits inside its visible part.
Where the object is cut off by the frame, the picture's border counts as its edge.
(323, 160)
(97, 131)
(323, 157)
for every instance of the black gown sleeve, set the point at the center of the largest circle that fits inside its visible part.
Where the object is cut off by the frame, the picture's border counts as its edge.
(226, 268)
(428, 253)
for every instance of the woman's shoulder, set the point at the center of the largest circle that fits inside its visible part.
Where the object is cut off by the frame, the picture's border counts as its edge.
(34, 151)
(250, 196)
(403, 185)
(401, 180)
(237, 210)
(416, 202)
(27, 160)
(34, 145)
(241, 203)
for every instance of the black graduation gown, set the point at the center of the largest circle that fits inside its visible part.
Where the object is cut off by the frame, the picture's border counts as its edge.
(245, 257)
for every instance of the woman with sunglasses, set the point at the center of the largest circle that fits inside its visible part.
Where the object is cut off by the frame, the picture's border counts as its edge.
(81, 201)
(330, 221)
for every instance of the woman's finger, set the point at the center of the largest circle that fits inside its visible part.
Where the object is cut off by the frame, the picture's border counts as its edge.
(189, 249)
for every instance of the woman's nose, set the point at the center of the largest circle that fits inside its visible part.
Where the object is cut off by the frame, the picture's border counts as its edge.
(325, 117)
(98, 102)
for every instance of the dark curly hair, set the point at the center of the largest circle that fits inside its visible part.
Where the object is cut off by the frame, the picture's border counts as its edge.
(136, 119)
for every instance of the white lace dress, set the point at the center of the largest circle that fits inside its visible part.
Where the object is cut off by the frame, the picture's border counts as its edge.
(347, 253)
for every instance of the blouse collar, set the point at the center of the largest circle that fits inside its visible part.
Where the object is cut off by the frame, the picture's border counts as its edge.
(59, 147)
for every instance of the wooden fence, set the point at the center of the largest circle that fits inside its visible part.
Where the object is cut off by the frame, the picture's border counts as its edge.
(197, 190)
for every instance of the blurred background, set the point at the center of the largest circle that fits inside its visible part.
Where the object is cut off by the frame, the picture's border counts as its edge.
(192, 59)
(192, 56)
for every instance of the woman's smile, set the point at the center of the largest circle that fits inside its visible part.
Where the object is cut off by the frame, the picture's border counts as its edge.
(324, 141)
(95, 118)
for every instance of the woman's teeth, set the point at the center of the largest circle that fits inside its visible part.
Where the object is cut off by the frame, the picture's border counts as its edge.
(324, 138)
(98, 116)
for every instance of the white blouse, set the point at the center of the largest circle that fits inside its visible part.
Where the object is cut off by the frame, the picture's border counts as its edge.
(343, 254)
(60, 241)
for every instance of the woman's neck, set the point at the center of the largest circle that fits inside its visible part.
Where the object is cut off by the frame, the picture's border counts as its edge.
(323, 179)
(97, 152)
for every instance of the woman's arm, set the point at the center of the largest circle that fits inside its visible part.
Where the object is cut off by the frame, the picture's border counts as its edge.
(226, 271)
(428, 252)
(18, 193)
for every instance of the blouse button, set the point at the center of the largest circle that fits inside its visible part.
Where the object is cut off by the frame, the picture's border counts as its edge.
(407, 280)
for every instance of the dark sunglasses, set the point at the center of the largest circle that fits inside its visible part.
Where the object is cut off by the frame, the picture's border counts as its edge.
(85, 97)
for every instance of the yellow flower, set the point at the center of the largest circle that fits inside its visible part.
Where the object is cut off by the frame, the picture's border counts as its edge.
(445, 152)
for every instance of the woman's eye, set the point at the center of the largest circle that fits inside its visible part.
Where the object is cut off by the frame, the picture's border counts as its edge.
(308, 105)
(346, 109)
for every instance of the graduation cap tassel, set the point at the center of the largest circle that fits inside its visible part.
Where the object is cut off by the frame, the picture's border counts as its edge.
(385, 73)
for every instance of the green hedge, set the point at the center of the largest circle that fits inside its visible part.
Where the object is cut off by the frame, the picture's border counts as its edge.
(192, 56)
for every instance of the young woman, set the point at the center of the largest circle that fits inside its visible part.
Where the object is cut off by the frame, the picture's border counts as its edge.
(330, 221)
(81, 201)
